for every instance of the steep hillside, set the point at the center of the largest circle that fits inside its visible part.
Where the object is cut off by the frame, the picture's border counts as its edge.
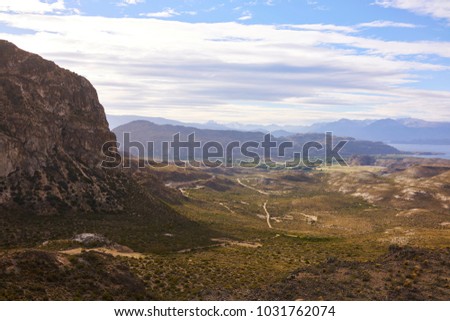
(52, 129)
(38, 275)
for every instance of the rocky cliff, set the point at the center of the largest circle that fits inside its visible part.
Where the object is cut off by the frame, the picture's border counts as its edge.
(52, 128)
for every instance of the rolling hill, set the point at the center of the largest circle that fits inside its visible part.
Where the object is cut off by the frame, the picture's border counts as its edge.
(144, 132)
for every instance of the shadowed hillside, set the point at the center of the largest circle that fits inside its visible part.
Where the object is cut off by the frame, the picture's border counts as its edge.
(52, 128)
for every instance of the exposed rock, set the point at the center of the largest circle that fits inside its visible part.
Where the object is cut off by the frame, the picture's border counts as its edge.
(91, 238)
(52, 129)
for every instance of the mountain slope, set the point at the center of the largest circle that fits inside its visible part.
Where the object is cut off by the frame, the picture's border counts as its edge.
(145, 132)
(389, 130)
(403, 130)
(119, 120)
(52, 128)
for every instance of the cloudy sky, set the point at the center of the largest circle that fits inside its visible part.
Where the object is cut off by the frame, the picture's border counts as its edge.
(268, 61)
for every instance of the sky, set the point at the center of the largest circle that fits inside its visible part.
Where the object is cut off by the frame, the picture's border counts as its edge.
(286, 62)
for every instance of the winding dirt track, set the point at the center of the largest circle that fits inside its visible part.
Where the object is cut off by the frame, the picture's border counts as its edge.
(265, 204)
(251, 187)
(267, 214)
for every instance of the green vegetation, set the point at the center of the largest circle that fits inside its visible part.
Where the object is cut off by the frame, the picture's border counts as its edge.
(335, 233)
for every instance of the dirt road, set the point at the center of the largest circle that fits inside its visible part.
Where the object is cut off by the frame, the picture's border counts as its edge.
(267, 214)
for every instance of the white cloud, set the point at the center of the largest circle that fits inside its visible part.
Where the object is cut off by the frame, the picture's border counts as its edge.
(166, 13)
(229, 71)
(384, 24)
(320, 27)
(434, 8)
(316, 5)
(32, 6)
(125, 3)
(246, 15)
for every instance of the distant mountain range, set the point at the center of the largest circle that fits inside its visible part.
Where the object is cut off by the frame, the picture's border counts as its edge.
(400, 131)
(406, 130)
(116, 121)
(144, 131)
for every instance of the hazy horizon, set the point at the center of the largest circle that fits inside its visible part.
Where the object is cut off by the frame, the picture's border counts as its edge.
(298, 123)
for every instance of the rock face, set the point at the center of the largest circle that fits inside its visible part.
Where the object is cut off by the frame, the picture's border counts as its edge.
(52, 129)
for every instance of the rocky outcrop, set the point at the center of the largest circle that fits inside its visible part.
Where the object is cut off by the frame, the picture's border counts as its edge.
(52, 129)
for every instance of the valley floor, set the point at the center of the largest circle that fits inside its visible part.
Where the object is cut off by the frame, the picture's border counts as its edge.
(358, 233)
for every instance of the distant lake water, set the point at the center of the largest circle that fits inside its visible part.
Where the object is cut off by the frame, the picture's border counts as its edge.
(444, 149)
